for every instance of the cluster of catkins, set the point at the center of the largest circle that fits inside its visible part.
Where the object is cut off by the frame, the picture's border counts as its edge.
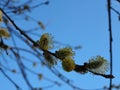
(65, 55)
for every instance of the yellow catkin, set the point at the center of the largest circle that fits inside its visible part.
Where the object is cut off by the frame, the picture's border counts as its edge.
(4, 33)
(1, 19)
(46, 42)
(64, 53)
(68, 64)
(49, 59)
(98, 64)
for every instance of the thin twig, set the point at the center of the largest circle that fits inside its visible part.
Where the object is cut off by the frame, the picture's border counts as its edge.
(21, 66)
(110, 41)
(17, 28)
(18, 88)
(118, 1)
(115, 11)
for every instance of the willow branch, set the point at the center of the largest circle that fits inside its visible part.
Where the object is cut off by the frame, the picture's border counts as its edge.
(26, 36)
(79, 68)
(36, 44)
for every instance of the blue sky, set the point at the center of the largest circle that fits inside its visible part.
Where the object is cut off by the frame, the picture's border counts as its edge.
(76, 22)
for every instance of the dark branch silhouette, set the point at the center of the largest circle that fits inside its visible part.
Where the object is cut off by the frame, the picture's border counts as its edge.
(110, 41)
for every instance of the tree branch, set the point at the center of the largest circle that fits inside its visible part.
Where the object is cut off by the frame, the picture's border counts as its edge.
(110, 40)
(31, 40)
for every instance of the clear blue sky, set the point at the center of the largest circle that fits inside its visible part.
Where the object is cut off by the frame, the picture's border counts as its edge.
(76, 22)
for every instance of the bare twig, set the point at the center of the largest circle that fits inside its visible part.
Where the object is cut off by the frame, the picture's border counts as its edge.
(115, 11)
(17, 87)
(21, 66)
(118, 1)
(110, 40)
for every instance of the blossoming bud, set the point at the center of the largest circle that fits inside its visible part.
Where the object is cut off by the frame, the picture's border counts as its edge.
(98, 65)
(46, 42)
(4, 33)
(1, 19)
(68, 64)
(49, 59)
(64, 53)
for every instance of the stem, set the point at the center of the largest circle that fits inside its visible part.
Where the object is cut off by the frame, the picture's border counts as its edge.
(110, 41)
